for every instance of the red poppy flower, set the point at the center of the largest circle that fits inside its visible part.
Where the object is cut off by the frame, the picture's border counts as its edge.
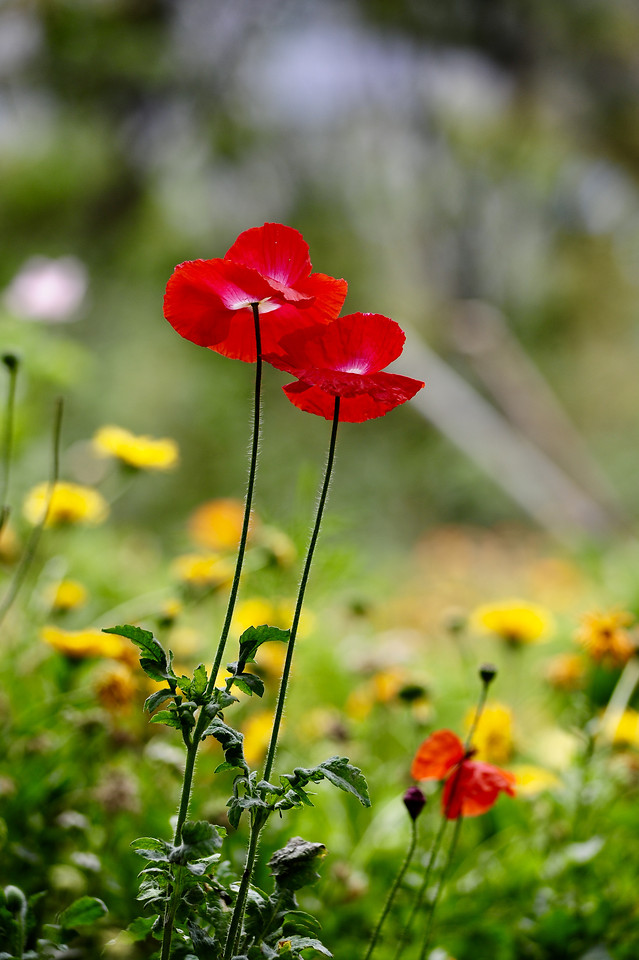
(471, 787)
(209, 301)
(345, 359)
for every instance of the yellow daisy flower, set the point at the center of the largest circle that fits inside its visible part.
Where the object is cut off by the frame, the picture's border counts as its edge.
(67, 595)
(202, 570)
(71, 503)
(623, 731)
(514, 621)
(532, 780)
(80, 644)
(604, 637)
(141, 453)
(493, 737)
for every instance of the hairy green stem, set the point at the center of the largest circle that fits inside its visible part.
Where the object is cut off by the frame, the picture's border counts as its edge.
(405, 934)
(11, 363)
(187, 782)
(270, 757)
(32, 543)
(256, 825)
(440, 886)
(393, 890)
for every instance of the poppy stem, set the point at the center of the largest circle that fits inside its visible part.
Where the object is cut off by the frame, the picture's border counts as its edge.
(11, 363)
(270, 757)
(248, 502)
(172, 905)
(405, 934)
(393, 890)
(440, 886)
(257, 824)
(34, 539)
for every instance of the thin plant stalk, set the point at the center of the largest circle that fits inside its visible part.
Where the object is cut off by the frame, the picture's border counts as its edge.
(194, 741)
(440, 886)
(11, 363)
(486, 681)
(29, 553)
(257, 824)
(393, 890)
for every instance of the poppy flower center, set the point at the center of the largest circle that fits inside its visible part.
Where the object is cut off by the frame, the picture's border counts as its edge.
(354, 366)
(263, 306)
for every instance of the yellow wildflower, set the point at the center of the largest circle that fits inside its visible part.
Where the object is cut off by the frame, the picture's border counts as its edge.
(203, 570)
(270, 659)
(71, 503)
(79, 644)
(141, 453)
(515, 621)
(532, 780)
(604, 637)
(217, 524)
(67, 595)
(623, 731)
(257, 734)
(493, 737)
(116, 688)
(258, 610)
(386, 684)
(9, 546)
(566, 671)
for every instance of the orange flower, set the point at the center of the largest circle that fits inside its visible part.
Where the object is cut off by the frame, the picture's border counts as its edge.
(604, 637)
(217, 524)
(471, 787)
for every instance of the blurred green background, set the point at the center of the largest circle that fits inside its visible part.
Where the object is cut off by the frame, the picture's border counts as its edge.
(432, 154)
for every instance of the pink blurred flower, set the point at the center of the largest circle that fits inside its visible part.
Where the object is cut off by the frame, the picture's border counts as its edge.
(48, 289)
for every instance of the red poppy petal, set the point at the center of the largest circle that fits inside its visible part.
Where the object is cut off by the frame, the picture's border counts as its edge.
(474, 788)
(203, 298)
(353, 409)
(329, 294)
(275, 251)
(437, 755)
(239, 342)
(361, 343)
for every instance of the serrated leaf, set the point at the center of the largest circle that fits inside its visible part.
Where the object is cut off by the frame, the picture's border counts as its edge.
(168, 717)
(237, 805)
(82, 912)
(200, 680)
(143, 639)
(199, 839)
(346, 777)
(298, 919)
(294, 865)
(308, 943)
(153, 702)
(204, 947)
(249, 684)
(232, 742)
(253, 638)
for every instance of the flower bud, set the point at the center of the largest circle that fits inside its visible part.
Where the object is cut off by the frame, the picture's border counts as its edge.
(414, 801)
(10, 360)
(487, 672)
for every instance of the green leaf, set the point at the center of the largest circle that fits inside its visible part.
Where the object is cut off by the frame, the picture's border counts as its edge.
(168, 717)
(249, 684)
(152, 849)
(153, 702)
(294, 865)
(140, 928)
(231, 740)
(253, 638)
(154, 660)
(237, 805)
(308, 943)
(83, 912)
(298, 920)
(199, 839)
(200, 680)
(205, 947)
(346, 777)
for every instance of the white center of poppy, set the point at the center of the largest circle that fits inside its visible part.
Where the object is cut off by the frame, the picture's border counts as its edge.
(263, 306)
(355, 366)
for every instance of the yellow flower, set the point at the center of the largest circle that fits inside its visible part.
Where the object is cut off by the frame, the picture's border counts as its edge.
(566, 671)
(386, 684)
(9, 546)
(79, 644)
(142, 453)
(515, 621)
(116, 688)
(493, 737)
(202, 570)
(532, 780)
(623, 730)
(67, 595)
(217, 524)
(257, 734)
(270, 659)
(71, 503)
(604, 637)
(258, 610)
